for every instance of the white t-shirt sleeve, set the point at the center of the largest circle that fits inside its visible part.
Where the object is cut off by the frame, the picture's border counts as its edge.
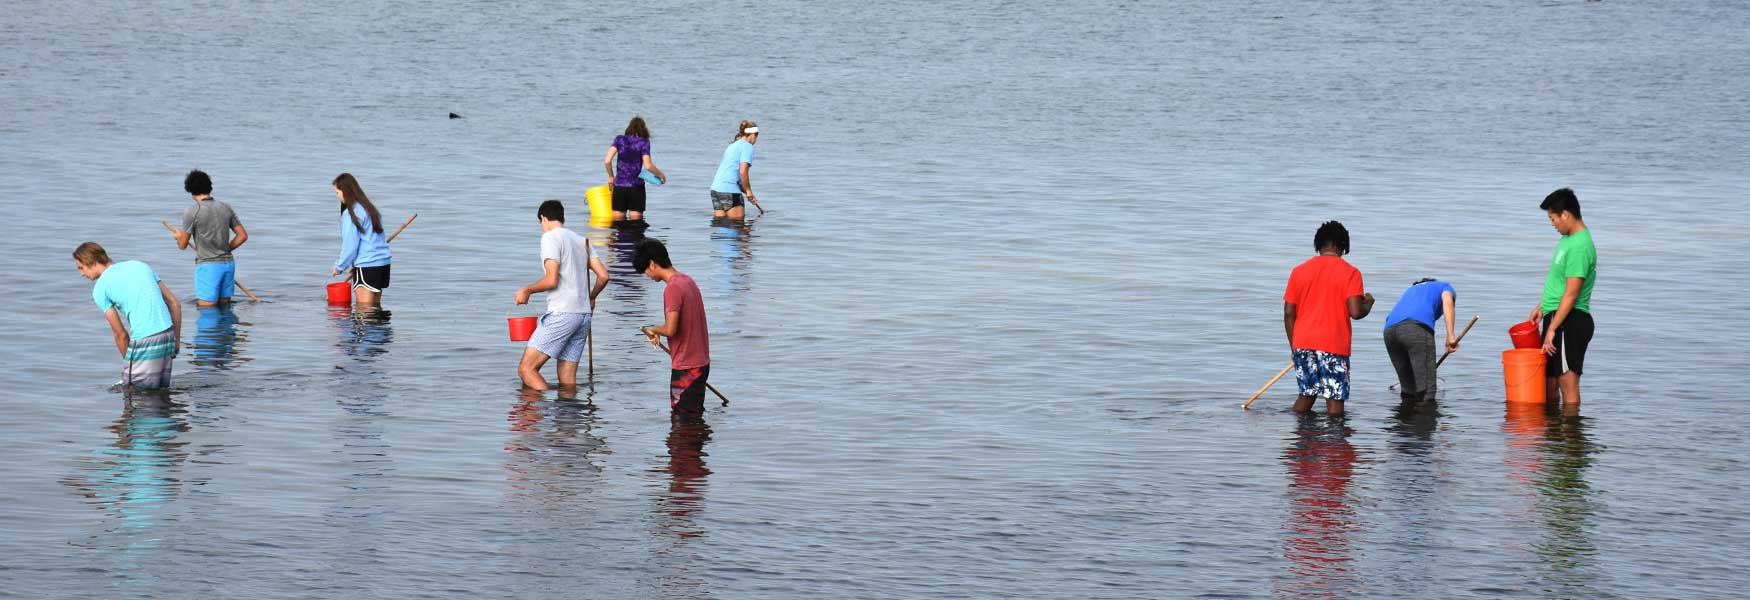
(550, 248)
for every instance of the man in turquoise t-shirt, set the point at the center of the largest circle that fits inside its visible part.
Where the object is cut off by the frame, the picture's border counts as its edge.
(1566, 307)
(143, 315)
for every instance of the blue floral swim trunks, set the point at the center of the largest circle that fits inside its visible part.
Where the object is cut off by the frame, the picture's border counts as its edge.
(1322, 374)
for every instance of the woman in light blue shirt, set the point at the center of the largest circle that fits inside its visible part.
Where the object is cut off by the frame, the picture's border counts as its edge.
(364, 252)
(731, 184)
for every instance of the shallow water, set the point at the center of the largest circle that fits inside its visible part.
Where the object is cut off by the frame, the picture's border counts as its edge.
(1021, 265)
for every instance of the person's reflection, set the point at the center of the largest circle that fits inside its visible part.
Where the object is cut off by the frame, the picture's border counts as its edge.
(551, 456)
(1414, 496)
(138, 474)
(676, 510)
(1550, 453)
(217, 340)
(1320, 522)
(732, 250)
(364, 333)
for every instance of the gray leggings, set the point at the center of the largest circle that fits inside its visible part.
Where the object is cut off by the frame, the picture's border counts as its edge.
(1411, 346)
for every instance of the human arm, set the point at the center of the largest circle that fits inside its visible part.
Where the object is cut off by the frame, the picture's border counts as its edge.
(747, 184)
(651, 166)
(601, 280)
(175, 313)
(1288, 316)
(1360, 306)
(115, 328)
(238, 235)
(1447, 303)
(608, 162)
(546, 283)
(349, 245)
(1569, 297)
(182, 236)
(670, 326)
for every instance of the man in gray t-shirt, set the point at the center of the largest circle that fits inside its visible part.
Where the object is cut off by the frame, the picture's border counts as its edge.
(212, 227)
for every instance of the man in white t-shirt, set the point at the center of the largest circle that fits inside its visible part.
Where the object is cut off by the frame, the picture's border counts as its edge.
(564, 331)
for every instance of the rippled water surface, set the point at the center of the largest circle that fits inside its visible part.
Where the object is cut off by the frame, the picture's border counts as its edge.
(1021, 265)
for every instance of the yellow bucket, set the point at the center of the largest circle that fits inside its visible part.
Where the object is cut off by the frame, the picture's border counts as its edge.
(601, 203)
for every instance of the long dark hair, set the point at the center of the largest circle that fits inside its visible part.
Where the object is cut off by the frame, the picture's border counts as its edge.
(351, 194)
(637, 128)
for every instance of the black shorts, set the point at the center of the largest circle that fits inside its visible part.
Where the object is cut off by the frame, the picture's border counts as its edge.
(686, 391)
(1571, 341)
(628, 199)
(375, 279)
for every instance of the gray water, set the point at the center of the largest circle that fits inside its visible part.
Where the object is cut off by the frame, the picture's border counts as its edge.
(1020, 267)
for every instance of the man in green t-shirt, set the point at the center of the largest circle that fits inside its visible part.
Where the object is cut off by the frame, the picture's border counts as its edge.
(1566, 307)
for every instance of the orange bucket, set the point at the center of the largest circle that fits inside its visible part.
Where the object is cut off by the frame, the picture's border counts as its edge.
(1525, 335)
(521, 328)
(1524, 371)
(340, 292)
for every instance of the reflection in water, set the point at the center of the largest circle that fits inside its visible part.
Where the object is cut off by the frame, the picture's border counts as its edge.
(732, 251)
(217, 340)
(1549, 454)
(553, 444)
(1413, 477)
(1321, 525)
(364, 333)
(625, 285)
(137, 476)
(675, 510)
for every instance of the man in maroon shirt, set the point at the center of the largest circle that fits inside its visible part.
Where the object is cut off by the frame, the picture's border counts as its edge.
(684, 325)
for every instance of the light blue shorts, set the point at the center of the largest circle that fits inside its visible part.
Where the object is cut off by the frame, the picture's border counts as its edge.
(214, 281)
(562, 335)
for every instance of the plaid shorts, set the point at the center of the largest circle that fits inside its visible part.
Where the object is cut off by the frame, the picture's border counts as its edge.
(1322, 374)
(562, 335)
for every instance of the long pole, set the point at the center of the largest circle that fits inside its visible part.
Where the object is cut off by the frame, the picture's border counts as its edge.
(1261, 390)
(403, 227)
(1473, 322)
(251, 295)
(708, 385)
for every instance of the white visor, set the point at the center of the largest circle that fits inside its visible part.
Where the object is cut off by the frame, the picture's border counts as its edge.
(751, 130)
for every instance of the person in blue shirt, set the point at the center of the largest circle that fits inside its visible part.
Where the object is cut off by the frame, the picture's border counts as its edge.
(1409, 338)
(364, 252)
(731, 185)
(143, 315)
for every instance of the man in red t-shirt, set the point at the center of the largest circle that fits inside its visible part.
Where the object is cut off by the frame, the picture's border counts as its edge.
(1323, 294)
(684, 326)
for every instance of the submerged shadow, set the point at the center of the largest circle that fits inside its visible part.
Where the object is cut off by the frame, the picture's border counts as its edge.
(1320, 527)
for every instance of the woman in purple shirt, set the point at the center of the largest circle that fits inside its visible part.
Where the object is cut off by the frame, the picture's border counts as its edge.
(629, 156)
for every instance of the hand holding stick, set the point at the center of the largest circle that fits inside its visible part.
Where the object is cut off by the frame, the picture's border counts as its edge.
(651, 337)
(1473, 321)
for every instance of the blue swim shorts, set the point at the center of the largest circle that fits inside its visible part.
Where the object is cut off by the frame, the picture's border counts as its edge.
(1322, 374)
(214, 281)
(561, 335)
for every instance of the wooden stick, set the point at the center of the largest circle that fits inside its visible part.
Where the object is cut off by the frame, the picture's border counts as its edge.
(590, 338)
(708, 385)
(1261, 390)
(252, 297)
(1473, 322)
(403, 227)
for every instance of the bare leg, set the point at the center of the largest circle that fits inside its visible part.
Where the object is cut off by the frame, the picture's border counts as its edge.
(1303, 404)
(1552, 394)
(619, 216)
(567, 373)
(737, 212)
(365, 297)
(1570, 384)
(1334, 407)
(719, 214)
(634, 215)
(203, 303)
(530, 369)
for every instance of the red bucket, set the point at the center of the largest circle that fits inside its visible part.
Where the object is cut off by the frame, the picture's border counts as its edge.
(340, 292)
(521, 328)
(1525, 335)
